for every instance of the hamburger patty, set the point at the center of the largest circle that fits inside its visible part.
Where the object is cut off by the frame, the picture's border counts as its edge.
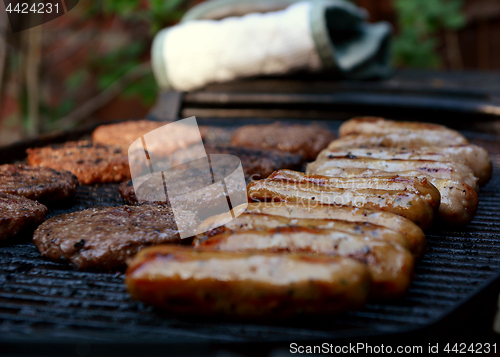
(37, 183)
(18, 214)
(306, 140)
(256, 163)
(90, 163)
(103, 238)
(125, 133)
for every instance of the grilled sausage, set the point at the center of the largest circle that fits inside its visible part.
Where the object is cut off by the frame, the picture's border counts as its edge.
(395, 140)
(441, 170)
(420, 186)
(459, 201)
(375, 126)
(390, 266)
(474, 156)
(403, 196)
(253, 221)
(390, 153)
(187, 281)
(410, 230)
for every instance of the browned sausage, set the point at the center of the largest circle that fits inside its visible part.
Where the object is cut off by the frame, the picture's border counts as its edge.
(414, 200)
(459, 201)
(474, 156)
(252, 221)
(410, 230)
(186, 281)
(375, 126)
(390, 266)
(441, 170)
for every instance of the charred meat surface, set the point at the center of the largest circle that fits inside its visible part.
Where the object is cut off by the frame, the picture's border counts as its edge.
(306, 140)
(38, 183)
(250, 285)
(90, 163)
(19, 214)
(104, 238)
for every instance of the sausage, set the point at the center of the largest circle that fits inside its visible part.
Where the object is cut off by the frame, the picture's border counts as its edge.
(187, 281)
(459, 202)
(252, 221)
(395, 140)
(474, 156)
(442, 170)
(390, 153)
(392, 221)
(420, 186)
(401, 196)
(390, 266)
(409, 205)
(375, 126)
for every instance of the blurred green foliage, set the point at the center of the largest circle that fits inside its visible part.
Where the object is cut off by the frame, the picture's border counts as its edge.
(152, 14)
(419, 22)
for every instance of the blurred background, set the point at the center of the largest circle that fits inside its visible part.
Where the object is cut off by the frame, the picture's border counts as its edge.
(93, 63)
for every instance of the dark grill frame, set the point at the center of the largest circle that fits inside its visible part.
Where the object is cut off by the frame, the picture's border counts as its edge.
(46, 302)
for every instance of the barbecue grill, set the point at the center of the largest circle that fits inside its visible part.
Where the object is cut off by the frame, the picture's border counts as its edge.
(50, 308)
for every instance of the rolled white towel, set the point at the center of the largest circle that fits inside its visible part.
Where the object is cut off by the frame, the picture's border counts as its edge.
(197, 52)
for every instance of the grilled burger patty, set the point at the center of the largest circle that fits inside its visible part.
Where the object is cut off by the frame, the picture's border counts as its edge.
(306, 140)
(18, 214)
(103, 238)
(257, 284)
(256, 163)
(259, 163)
(125, 133)
(37, 183)
(90, 163)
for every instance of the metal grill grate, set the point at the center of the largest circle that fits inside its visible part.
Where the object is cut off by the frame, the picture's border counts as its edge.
(40, 299)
